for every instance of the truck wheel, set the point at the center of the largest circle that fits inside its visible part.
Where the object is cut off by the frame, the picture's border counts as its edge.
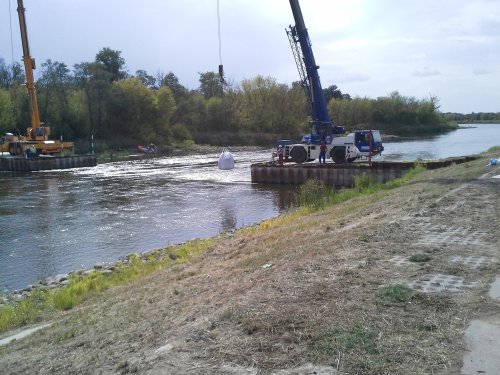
(298, 154)
(338, 155)
(13, 149)
(352, 160)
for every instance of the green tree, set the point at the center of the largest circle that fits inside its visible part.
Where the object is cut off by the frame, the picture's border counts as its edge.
(145, 78)
(215, 114)
(180, 133)
(131, 105)
(11, 75)
(394, 113)
(210, 85)
(332, 92)
(262, 105)
(166, 109)
(22, 114)
(192, 113)
(53, 87)
(5, 75)
(7, 119)
(171, 80)
(78, 126)
(351, 112)
(95, 81)
(140, 113)
(112, 62)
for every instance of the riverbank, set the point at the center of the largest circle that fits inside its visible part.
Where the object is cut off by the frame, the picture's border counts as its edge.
(381, 284)
(111, 156)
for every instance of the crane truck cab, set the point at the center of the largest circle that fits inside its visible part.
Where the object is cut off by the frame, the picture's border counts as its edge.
(368, 141)
(345, 148)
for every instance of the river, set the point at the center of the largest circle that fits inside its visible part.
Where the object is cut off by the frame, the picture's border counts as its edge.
(55, 221)
(52, 222)
(470, 139)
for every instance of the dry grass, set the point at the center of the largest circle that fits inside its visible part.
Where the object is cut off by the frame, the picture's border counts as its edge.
(304, 287)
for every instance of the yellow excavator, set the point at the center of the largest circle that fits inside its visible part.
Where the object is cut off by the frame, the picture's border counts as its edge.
(36, 142)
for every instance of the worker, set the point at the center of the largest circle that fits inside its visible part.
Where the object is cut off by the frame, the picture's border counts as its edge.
(280, 154)
(322, 153)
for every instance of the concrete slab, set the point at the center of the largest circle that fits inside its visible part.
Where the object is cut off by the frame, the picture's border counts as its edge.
(483, 340)
(450, 235)
(22, 334)
(494, 292)
(441, 283)
(473, 262)
(308, 369)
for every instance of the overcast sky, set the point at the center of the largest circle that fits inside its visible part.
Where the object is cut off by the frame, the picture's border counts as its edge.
(444, 48)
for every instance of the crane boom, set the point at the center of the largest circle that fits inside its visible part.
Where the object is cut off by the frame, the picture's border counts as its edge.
(308, 71)
(29, 66)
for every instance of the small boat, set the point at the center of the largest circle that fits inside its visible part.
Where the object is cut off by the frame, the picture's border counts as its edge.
(226, 160)
(149, 149)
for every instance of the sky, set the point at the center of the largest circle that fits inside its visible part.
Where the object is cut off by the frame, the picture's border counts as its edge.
(449, 49)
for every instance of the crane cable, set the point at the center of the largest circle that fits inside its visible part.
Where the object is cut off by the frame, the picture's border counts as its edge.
(11, 38)
(221, 77)
(14, 107)
(221, 67)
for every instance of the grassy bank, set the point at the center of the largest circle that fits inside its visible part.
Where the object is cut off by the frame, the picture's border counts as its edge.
(329, 284)
(41, 304)
(313, 196)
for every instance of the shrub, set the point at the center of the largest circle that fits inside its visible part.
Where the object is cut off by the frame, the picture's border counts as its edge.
(313, 193)
(395, 293)
(419, 258)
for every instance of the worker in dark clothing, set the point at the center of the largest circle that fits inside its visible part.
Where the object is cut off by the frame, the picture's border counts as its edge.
(281, 153)
(322, 153)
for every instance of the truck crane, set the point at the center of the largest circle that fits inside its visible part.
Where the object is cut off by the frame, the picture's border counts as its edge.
(36, 141)
(340, 147)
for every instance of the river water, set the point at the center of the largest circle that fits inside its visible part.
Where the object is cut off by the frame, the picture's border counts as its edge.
(52, 222)
(55, 221)
(470, 139)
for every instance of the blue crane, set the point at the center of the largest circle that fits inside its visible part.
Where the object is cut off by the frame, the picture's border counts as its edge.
(340, 147)
(322, 128)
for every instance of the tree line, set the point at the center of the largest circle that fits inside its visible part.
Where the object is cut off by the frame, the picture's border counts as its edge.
(120, 109)
(480, 117)
(394, 114)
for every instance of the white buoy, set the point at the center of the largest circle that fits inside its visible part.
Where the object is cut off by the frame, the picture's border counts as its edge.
(226, 160)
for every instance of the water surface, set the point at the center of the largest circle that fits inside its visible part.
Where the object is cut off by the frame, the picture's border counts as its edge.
(470, 139)
(53, 222)
(56, 221)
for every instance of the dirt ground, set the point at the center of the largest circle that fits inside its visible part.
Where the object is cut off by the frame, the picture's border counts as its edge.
(302, 294)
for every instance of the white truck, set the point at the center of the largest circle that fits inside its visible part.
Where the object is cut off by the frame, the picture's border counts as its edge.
(341, 149)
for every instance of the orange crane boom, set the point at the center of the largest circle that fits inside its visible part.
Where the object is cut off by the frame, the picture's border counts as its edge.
(29, 66)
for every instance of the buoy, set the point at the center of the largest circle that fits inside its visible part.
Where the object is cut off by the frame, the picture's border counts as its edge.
(226, 160)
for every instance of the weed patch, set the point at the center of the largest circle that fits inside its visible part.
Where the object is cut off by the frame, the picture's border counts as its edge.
(395, 293)
(420, 258)
(315, 195)
(334, 340)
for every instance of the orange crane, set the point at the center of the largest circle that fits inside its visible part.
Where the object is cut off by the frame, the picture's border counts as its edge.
(36, 142)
